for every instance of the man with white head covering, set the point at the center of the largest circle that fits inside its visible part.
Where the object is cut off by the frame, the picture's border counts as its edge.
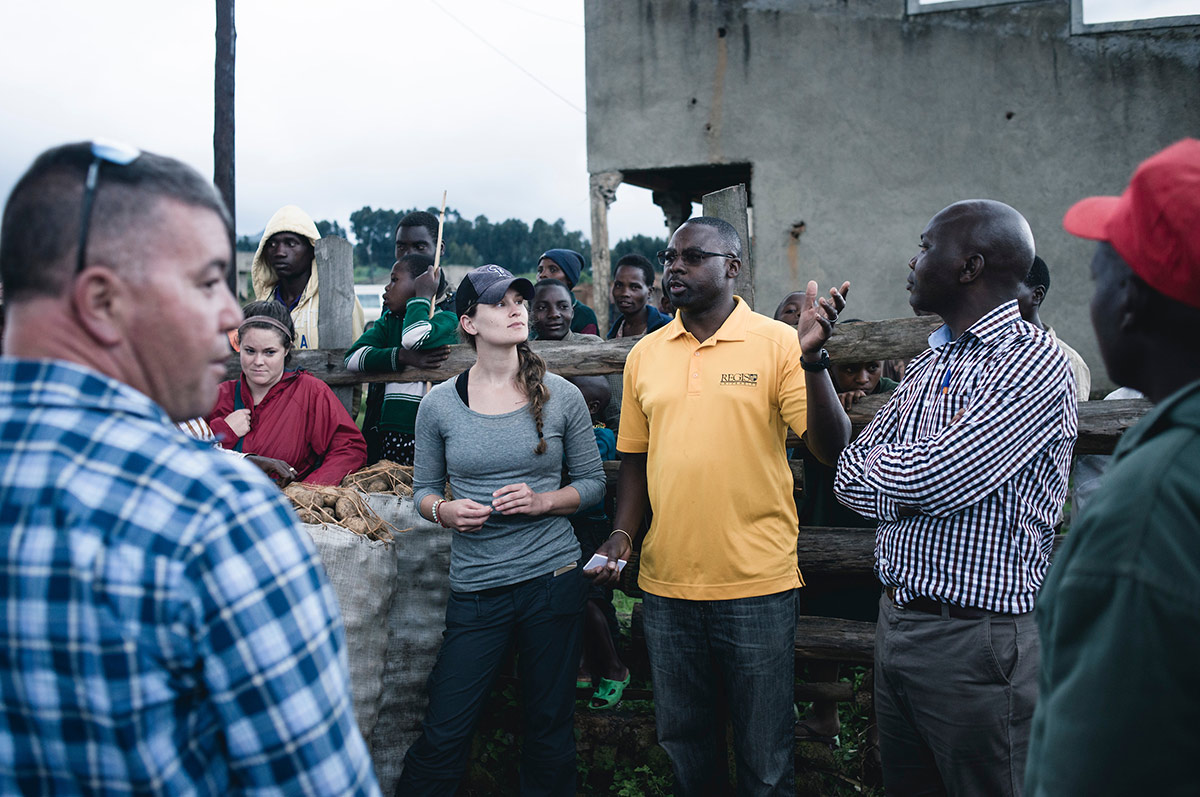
(283, 271)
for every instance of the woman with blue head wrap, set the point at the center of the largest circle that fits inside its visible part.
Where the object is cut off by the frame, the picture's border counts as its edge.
(566, 265)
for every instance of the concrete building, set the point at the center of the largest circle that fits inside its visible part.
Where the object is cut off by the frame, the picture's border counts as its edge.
(853, 121)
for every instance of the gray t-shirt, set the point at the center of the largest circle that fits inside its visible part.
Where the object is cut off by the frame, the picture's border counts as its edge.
(479, 454)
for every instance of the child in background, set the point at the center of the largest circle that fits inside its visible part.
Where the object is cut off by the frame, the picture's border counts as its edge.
(551, 314)
(566, 265)
(789, 309)
(601, 667)
(405, 325)
(856, 380)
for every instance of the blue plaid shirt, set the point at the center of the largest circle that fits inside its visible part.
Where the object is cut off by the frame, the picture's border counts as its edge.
(165, 626)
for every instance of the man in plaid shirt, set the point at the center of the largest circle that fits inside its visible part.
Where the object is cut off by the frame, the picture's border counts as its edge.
(966, 470)
(166, 628)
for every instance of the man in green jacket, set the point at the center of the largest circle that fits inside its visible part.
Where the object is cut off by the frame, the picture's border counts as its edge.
(1119, 615)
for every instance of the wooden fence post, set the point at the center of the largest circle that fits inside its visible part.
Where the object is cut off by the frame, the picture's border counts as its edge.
(603, 191)
(335, 294)
(223, 149)
(729, 204)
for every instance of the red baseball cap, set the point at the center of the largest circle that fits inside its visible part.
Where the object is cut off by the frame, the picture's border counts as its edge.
(1155, 224)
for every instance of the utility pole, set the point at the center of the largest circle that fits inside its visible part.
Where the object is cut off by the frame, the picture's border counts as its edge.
(223, 171)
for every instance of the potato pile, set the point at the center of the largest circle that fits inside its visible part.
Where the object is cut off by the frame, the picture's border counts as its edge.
(342, 506)
(384, 476)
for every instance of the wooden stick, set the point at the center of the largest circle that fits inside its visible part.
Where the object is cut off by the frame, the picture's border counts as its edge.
(437, 264)
(437, 249)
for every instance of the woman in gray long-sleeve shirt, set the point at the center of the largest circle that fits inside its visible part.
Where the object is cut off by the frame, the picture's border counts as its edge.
(499, 434)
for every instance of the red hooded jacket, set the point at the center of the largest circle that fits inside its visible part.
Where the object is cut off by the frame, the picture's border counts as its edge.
(300, 421)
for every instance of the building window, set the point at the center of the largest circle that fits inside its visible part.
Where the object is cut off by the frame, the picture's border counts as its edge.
(1102, 16)
(930, 6)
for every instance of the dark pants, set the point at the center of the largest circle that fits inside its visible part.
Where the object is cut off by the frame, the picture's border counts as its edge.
(544, 615)
(592, 532)
(954, 700)
(744, 648)
(398, 447)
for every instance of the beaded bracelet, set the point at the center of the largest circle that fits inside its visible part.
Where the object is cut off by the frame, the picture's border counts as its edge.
(434, 512)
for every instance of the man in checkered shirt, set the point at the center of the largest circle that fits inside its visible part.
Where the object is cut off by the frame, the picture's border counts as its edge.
(966, 469)
(166, 627)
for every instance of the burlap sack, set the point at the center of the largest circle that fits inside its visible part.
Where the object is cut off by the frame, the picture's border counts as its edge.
(363, 575)
(416, 622)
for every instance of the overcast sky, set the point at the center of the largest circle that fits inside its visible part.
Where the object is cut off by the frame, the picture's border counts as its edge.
(362, 102)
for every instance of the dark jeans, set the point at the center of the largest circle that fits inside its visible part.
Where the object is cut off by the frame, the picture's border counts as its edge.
(545, 617)
(954, 700)
(745, 649)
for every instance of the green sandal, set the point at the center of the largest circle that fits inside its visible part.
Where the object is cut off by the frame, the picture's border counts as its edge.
(608, 693)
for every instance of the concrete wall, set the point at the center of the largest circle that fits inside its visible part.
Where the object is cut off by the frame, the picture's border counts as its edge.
(863, 122)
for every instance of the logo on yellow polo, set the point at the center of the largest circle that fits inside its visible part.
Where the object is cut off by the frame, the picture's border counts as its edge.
(748, 380)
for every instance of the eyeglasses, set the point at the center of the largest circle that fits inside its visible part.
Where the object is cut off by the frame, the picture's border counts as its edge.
(102, 152)
(690, 257)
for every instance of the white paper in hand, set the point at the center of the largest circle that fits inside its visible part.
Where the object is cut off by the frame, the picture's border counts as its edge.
(600, 560)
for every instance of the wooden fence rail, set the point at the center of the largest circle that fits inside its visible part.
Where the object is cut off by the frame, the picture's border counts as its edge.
(1101, 424)
(901, 338)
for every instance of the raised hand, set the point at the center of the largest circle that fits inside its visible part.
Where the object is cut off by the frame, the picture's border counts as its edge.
(818, 317)
(426, 284)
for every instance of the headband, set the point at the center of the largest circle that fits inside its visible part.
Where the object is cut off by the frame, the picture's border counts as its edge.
(266, 319)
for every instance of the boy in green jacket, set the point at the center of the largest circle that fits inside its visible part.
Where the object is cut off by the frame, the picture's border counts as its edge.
(406, 324)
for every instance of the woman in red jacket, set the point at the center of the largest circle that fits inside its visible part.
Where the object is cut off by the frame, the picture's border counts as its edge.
(289, 416)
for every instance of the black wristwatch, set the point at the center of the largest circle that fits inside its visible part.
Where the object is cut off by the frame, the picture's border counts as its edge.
(820, 365)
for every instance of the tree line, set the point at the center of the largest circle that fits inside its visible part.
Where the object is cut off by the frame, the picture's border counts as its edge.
(469, 242)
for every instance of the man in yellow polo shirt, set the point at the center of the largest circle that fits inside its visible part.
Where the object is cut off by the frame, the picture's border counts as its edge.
(708, 401)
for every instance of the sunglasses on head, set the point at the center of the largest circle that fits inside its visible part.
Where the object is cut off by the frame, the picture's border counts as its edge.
(690, 257)
(102, 152)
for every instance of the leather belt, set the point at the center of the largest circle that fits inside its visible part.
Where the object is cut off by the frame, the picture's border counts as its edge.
(563, 569)
(940, 608)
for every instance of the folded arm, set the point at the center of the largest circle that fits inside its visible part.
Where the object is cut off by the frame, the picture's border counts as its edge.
(1008, 422)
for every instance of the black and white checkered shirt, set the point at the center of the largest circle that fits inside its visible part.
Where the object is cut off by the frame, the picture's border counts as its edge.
(967, 507)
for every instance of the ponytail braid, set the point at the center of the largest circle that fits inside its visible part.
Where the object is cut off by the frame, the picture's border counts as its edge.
(531, 371)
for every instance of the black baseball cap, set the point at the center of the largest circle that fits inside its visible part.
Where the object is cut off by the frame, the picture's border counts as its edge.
(487, 285)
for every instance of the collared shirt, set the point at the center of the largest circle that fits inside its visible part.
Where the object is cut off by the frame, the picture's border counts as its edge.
(166, 626)
(712, 418)
(987, 487)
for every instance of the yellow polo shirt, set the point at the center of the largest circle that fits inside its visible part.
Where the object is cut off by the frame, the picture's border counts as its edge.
(712, 419)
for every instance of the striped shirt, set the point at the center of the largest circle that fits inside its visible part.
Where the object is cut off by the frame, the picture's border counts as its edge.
(967, 507)
(199, 429)
(166, 627)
